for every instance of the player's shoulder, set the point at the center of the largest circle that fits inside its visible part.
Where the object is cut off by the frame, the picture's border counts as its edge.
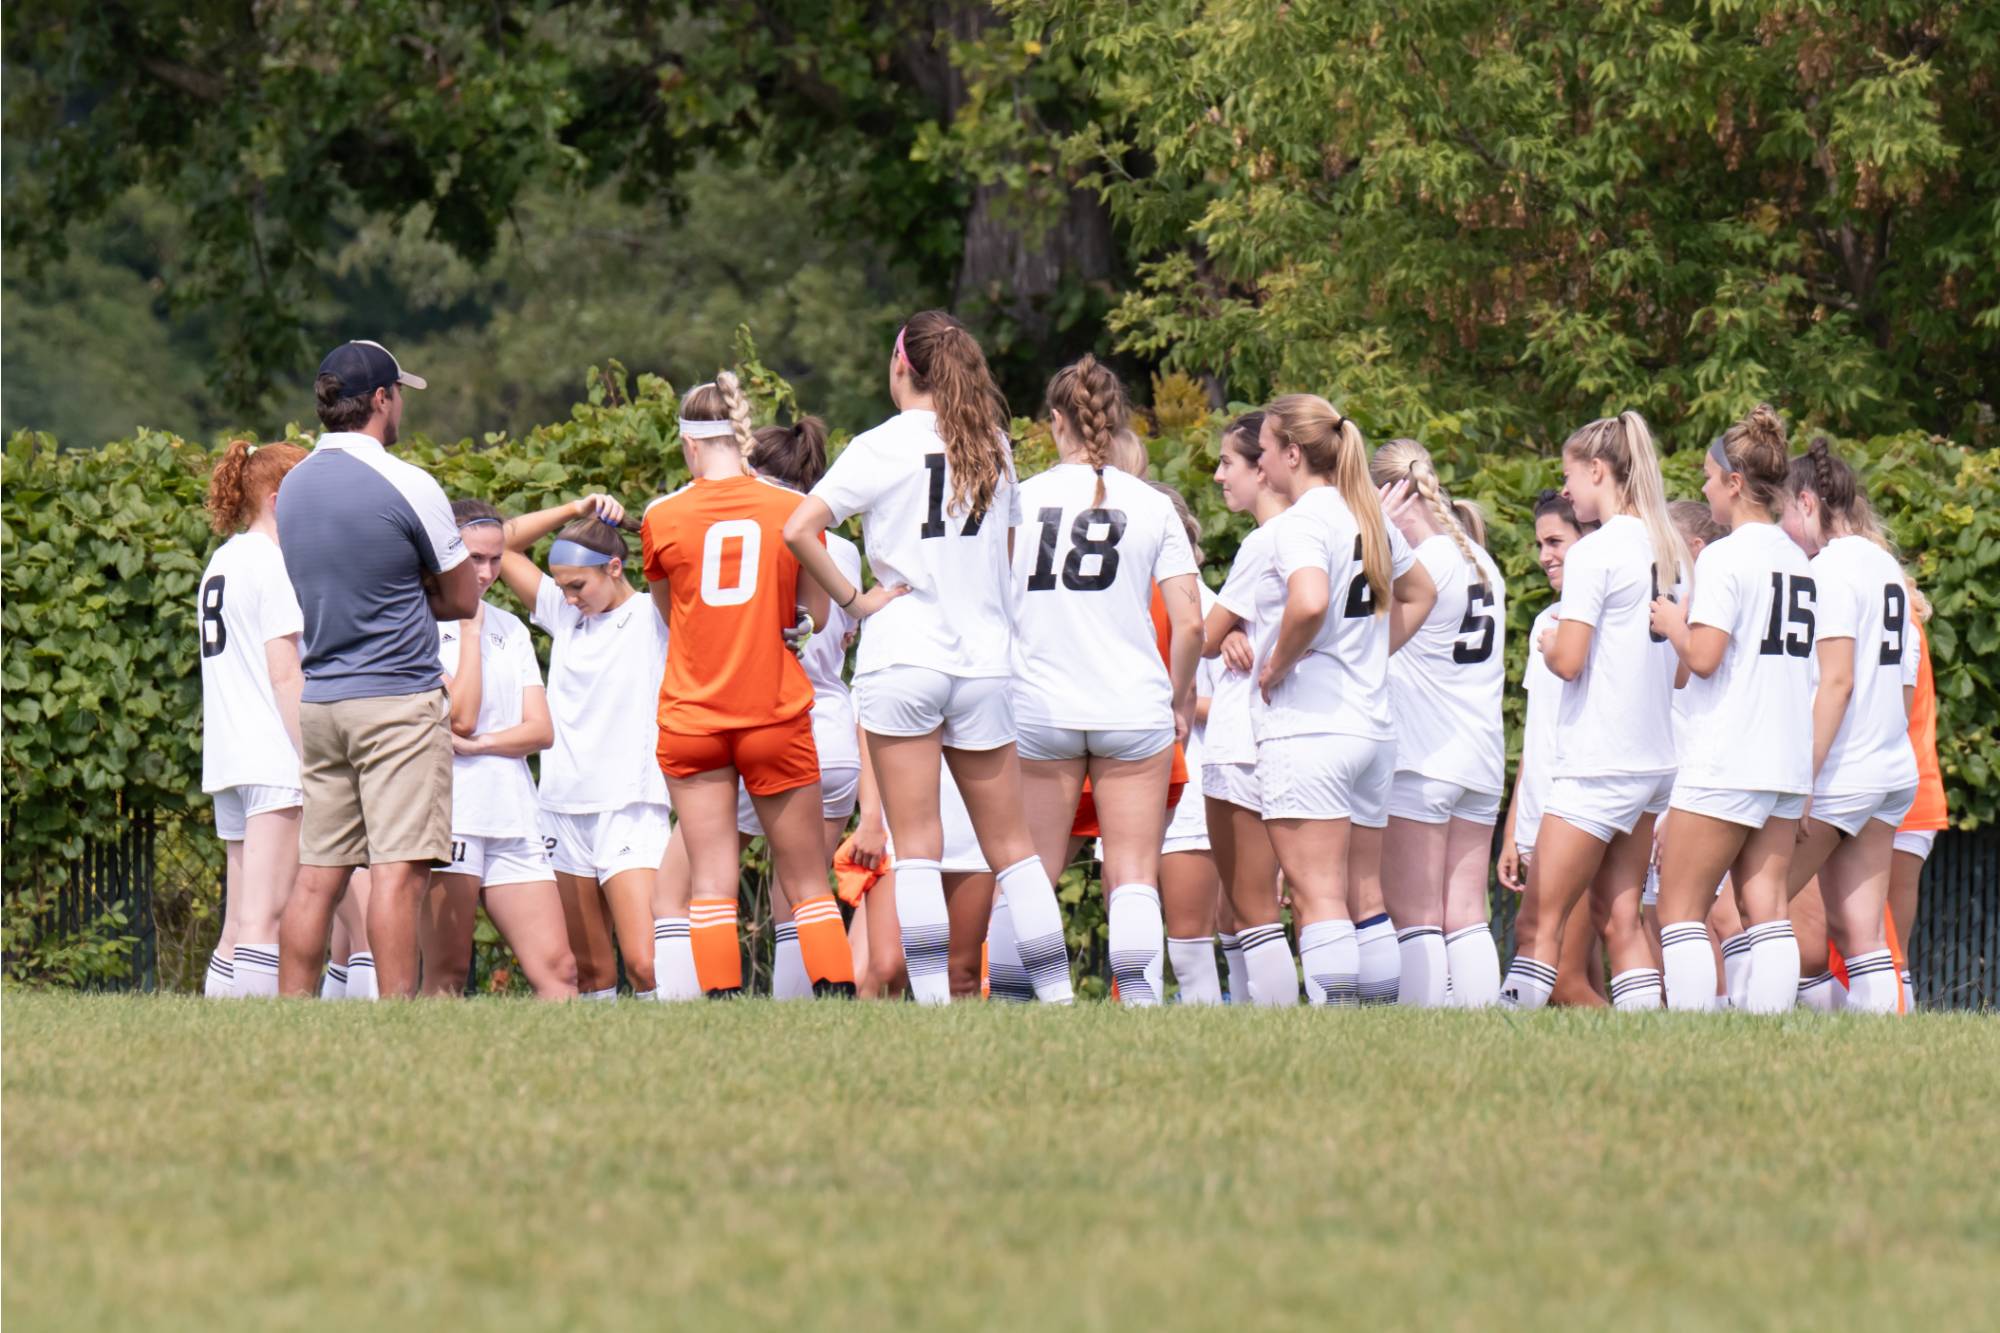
(501, 621)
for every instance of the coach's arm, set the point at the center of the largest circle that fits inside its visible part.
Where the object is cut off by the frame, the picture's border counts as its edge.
(454, 594)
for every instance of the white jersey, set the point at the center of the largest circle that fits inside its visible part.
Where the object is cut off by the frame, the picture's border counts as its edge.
(1862, 597)
(1617, 714)
(244, 601)
(1232, 737)
(604, 698)
(1538, 738)
(1749, 726)
(1085, 651)
(956, 617)
(493, 795)
(1339, 686)
(1208, 674)
(824, 658)
(1446, 685)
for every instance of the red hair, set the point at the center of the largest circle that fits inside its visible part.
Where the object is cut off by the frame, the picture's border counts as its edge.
(243, 476)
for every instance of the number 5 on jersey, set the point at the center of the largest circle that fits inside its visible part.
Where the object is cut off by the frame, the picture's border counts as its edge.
(729, 552)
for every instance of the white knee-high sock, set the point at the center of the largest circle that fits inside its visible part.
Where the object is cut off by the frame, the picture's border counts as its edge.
(1688, 961)
(1872, 985)
(1426, 967)
(1269, 974)
(1736, 969)
(1379, 972)
(1194, 970)
(257, 970)
(788, 965)
(333, 985)
(674, 975)
(1818, 994)
(1474, 960)
(926, 928)
(1239, 975)
(1774, 968)
(220, 983)
(1038, 928)
(1529, 983)
(361, 977)
(1006, 977)
(1332, 963)
(1138, 942)
(1636, 991)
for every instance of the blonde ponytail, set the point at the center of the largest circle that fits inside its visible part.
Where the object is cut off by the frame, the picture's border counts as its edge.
(1093, 398)
(1332, 447)
(1624, 444)
(722, 400)
(1400, 460)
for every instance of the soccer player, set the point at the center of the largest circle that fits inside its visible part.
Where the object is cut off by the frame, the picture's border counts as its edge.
(604, 807)
(735, 699)
(1865, 772)
(1097, 540)
(1928, 814)
(499, 716)
(1745, 644)
(1341, 593)
(1614, 765)
(1445, 690)
(935, 489)
(250, 624)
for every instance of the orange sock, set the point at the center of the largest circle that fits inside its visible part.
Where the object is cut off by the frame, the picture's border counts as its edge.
(823, 941)
(718, 957)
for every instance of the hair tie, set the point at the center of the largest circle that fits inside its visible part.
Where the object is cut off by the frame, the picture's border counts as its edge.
(251, 450)
(567, 552)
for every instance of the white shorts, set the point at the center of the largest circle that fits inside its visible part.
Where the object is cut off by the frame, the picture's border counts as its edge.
(1039, 741)
(1234, 783)
(976, 712)
(1751, 808)
(235, 805)
(604, 843)
(1917, 842)
(1850, 813)
(1425, 800)
(838, 791)
(1326, 777)
(495, 861)
(1607, 806)
(1187, 829)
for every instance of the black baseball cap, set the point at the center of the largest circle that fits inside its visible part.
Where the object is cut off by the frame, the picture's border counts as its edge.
(362, 367)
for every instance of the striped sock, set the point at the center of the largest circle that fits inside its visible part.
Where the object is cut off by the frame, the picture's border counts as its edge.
(674, 973)
(1474, 959)
(926, 928)
(788, 965)
(1239, 975)
(1689, 963)
(1425, 966)
(1774, 968)
(1006, 976)
(1817, 994)
(821, 939)
(333, 985)
(1872, 986)
(718, 953)
(1138, 939)
(1636, 991)
(257, 970)
(1529, 983)
(1736, 969)
(1038, 929)
(361, 977)
(220, 983)
(1194, 970)
(1331, 962)
(1270, 976)
(1380, 970)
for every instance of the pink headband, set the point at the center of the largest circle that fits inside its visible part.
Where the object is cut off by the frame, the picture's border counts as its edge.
(902, 355)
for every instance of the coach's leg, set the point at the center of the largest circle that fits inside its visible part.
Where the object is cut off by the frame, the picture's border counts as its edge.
(302, 930)
(395, 894)
(402, 756)
(333, 841)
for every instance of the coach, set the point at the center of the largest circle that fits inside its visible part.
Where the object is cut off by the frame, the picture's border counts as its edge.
(376, 560)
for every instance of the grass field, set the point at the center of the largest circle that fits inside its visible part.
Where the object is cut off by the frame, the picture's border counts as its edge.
(179, 1164)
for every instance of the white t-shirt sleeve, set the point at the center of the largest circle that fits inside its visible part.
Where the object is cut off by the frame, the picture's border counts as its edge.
(1301, 546)
(278, 613)
(1718, 590)
(438, 545)
(1237, 596)
(1013, 489)
(853, 482)
(1839, 609)
(1585, 581)
(1176, 557)
(1401, 556)
(527, 671)
(1912, 654)
(550, 611)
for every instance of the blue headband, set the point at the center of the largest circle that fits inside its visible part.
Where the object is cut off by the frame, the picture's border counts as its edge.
(1720, 454)
(566, 552)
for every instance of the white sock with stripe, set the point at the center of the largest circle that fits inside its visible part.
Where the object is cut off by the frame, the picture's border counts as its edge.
(1379, 971)
(1819, 994)
(333, 984)
(1774, 968)
(1331, 962)
(788, 965)
(1872, 985)
(1194, 970)
(257, 970)
(1038, 929)
(1736, 969)
(1474, 959)
(1006, 976)
(1239, 975)
(1138, 941)
(220, 983)
(1529, 983)
(926, 930)
(674, 974)
(1636, 991)
(1909, 992)
(1270, 975)
(361, 977)
(1688, 960)
(1426, 967)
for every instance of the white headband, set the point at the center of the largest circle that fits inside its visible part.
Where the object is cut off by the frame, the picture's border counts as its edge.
(706, 430)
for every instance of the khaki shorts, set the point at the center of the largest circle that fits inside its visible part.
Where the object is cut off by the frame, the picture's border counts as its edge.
(377, 779)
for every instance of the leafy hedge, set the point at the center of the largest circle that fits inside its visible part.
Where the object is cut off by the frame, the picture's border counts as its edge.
(101, 549)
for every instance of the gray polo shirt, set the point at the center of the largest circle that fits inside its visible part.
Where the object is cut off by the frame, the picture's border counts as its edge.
(360, 528)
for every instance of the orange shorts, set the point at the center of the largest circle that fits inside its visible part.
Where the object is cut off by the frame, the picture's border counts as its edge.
(779, 756)
(1085, 823)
